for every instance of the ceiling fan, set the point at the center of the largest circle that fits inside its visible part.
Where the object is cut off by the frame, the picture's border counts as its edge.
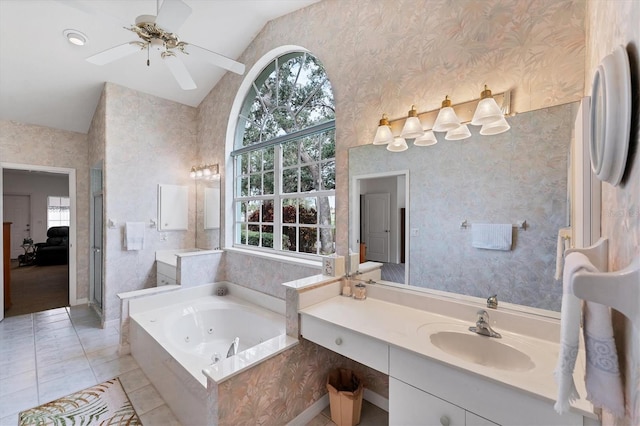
(158, 32)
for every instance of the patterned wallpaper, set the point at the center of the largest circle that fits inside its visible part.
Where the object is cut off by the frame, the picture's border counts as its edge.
(517, 175)
(148, 141)
(610, 24)
(43, 146)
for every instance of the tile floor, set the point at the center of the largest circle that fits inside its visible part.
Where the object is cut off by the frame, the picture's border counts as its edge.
(50, 354)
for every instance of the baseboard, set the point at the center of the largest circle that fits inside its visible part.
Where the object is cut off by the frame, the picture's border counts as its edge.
(82, 301)
(313, 410)
(376, 399)
(316, 408)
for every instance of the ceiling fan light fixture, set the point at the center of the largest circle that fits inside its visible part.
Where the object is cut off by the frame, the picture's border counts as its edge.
(75, 37)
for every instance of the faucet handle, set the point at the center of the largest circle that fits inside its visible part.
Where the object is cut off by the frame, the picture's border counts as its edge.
(492, 302)
(483, 316)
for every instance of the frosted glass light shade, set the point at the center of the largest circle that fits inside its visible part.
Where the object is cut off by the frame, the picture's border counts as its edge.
(427, 139)
(495, 127)
(412, 128)
(461, 132)
(398, 145)
(383, 135)
(446, 120)
(487, 111)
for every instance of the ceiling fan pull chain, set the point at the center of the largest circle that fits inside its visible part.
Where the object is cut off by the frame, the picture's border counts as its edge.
(148, 54)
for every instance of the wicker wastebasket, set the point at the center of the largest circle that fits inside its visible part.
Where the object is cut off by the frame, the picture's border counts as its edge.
(345, 397)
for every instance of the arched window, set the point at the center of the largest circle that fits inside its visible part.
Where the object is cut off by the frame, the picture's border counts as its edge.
(284, 159)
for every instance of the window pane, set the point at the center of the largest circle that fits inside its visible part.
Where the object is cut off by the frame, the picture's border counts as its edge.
(290, 211)
(308, 211)
(290, 153)
(267, 211)
(244, 164)
(242, 233)
(289, 238)
(309, 178)
(290, 180)
(241, 211)
(328, 144)
(267, 236)
(243, 190)
(256, 185)
(253, 211)
(268, 158)
(327, 211)
(256, 161)
(311, 147)
(308, 240)
(269, 183)
(329, 175)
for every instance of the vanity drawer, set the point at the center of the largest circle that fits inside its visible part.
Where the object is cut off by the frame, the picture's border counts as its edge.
(166, 269)
(365, 350)
(164, 280)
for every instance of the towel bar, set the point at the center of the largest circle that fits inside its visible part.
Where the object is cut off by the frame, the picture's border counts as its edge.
(521, 224)
(619, 290)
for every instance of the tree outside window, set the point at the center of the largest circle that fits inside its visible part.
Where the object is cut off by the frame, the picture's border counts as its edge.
(284, 159)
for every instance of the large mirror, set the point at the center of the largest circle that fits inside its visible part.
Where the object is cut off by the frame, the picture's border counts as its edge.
(420, 198)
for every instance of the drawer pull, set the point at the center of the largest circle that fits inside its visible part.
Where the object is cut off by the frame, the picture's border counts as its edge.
(338, 341)
(444, 421)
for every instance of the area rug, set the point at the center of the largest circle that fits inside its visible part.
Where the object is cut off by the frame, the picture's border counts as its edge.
(103, 404)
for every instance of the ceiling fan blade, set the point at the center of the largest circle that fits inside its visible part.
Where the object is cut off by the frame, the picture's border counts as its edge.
(114, 53)
(90, 9)
(214, 58)
(172, 15)
(180, 72)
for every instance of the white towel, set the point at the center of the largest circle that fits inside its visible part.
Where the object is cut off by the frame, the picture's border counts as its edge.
(570, 315)
(491, 236)
(134, 235)
(564, 243)
(602, 377)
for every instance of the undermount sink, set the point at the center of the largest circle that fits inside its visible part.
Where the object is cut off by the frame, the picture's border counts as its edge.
(482, 350)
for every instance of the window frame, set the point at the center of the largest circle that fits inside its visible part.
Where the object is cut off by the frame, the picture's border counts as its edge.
(58, 222)
(278, 195)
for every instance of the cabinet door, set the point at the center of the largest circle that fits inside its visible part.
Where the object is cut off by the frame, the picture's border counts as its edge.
(173, 208)
(412, 407)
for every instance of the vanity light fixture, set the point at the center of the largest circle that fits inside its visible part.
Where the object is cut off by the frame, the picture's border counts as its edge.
(412, 127)
(452, 119)
(207, 171)
(487, 110)
(75, 37)
(398, 145)
(383, 133)
(447, 118)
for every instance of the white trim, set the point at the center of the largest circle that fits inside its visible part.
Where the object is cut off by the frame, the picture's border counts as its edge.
(311, 412)
(242, 92)
(277, 257)
(376, 399)
(73, 269)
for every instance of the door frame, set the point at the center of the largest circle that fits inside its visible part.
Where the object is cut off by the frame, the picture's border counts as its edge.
(71, 173)
(354, 210)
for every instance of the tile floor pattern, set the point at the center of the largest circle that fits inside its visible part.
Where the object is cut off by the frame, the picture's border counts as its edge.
(50, 354)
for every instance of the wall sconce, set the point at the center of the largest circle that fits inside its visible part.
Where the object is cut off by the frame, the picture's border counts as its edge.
(452, 119)
(207, 171)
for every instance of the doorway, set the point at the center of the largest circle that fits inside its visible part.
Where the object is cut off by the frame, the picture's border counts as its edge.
(378, 224)
(38, 183)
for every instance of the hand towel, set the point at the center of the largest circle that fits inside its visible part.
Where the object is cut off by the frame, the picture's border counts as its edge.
(134, 235)
(564, 243)
(491, 236)
(602, 377)
(570, 315)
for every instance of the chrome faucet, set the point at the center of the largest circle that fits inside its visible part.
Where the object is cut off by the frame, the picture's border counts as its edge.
(233, 349)
(492, 302)
(482, 325)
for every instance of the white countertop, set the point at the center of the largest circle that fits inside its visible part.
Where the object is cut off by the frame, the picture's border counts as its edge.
(409, 328)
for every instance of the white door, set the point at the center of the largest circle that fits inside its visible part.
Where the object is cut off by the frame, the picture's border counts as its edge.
(96, 264)
(17, 209)
(377, 232)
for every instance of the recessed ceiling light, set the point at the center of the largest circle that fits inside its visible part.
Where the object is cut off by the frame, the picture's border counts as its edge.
(75, 37)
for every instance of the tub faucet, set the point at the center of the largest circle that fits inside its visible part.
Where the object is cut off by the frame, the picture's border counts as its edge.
(482, 325)
(233, 349)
